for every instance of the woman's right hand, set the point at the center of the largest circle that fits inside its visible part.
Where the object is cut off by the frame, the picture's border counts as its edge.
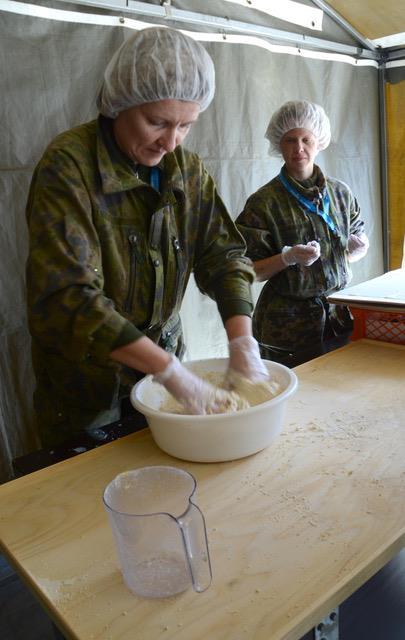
(195, 394)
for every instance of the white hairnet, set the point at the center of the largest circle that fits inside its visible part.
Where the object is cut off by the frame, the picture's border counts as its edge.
(154, 64)
(298, 114)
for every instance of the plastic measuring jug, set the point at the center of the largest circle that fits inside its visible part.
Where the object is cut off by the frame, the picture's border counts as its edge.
(159, 531)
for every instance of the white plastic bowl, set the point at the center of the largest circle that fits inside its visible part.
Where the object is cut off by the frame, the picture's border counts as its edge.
(220, 437)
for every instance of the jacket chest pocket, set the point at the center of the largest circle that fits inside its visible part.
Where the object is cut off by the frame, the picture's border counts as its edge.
(168, 259)
(135, 264)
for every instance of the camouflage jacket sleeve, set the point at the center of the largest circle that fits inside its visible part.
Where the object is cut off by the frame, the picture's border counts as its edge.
(68, 310)
(221, 267)
(343, 192)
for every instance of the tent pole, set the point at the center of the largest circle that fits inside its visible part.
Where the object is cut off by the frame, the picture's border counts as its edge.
(367, 44)
(225, 25)
(384, 165)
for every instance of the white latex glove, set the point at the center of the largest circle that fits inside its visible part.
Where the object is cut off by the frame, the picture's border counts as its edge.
(196, 395)
(247, 374)
(245, 359)
(357, 246)
(303, 254)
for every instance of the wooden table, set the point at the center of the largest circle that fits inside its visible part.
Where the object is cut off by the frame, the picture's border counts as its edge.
(293, 530)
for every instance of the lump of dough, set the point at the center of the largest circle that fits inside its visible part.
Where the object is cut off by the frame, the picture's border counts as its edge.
(253, 392)
(242, 394)
(221, 401)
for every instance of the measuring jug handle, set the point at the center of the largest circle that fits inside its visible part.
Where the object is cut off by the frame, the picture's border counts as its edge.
(194, 534)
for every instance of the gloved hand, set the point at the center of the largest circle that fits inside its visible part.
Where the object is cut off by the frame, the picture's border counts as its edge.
(303, 254)
(357, 246)
(244, 359)
(247, 374)
(196, 395)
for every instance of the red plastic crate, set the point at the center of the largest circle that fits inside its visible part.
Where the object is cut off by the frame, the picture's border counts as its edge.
(388, 326)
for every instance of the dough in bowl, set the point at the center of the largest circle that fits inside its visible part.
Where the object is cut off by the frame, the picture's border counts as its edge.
(241, 393)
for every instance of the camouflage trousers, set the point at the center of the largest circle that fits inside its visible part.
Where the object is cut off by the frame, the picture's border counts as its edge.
(293, 331)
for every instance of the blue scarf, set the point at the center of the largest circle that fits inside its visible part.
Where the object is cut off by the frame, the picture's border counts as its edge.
(155, 178)
(314, 208)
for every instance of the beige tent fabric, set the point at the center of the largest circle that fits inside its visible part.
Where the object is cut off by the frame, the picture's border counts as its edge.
(403, 255)
(372, 18)
(395, 96)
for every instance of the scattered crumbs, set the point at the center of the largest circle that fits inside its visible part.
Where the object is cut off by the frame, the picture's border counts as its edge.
(325, 535)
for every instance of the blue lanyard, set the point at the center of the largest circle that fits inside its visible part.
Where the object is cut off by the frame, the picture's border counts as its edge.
(155, 178)
(324, 213)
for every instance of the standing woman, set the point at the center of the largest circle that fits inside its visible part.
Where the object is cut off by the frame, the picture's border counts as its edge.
(302, 230)
(119, 214)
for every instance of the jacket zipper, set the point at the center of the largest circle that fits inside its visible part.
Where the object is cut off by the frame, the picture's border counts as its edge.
(132, 240)
(179, 270)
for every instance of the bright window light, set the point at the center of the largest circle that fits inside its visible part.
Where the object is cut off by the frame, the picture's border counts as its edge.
(287, 10)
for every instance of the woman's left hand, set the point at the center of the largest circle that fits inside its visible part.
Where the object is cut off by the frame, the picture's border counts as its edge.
(357, 246)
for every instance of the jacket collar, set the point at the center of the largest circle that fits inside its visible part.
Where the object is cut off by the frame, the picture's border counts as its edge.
(119, 173)
(309, 188)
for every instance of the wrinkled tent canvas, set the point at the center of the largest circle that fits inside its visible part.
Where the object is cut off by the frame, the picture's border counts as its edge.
(51, 72)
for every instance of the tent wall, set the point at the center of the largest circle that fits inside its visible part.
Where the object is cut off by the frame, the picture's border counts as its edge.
(51, 72)
(395, 99)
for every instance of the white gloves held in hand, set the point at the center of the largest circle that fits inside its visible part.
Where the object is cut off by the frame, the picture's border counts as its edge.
(196, 395)
(303, 254)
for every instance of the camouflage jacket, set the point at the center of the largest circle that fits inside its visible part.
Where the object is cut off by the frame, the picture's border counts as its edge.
(273, 218)
(290, 312)
(111, 256)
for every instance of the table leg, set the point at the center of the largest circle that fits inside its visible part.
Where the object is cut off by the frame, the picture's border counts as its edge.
(57, 634)
(328, 628)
